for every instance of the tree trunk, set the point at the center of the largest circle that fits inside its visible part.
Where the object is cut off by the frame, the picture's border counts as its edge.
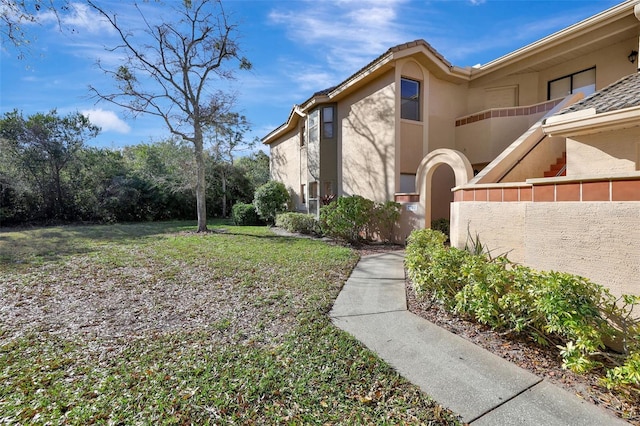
(224, 194)
(201, 194)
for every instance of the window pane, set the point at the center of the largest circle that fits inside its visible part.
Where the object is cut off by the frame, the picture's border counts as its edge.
(327, 115)
(560, 88)
(409, 89)
(585, 82)
(410, 99)
(328, 130)
(410, 110)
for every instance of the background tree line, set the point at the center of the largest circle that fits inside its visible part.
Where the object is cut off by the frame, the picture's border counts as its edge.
(49, 175)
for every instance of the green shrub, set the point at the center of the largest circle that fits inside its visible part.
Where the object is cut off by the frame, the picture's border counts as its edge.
(356, 218)
(346, 218)
(441, 225)
(244, 214)
(556, 308)
(383, 221)
(270, 199)
(298, 222)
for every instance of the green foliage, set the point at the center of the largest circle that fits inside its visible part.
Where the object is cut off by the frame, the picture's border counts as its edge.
(244, 214)
(270, 199)
(346, 218)
(554, 308)
(355, 218)
(298, 222)
(383, 221)
(441, 225)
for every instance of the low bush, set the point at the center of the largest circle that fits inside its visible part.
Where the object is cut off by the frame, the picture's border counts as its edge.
(552, 308)
(244, 214)
(298, 222)
(346, 218)
(441, 225)
(355, 218)
(270, 199)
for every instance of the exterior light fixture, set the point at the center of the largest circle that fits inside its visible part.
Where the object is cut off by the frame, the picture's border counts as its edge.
(633, 56)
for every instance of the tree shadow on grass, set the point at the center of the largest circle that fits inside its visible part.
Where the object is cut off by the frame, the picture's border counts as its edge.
(35, 245)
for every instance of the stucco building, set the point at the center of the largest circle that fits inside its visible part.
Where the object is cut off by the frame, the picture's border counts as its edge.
(520, 151)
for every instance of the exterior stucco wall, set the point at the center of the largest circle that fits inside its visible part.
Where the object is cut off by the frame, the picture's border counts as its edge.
(484, 140)
(611, 64)
(286, 165)
(446, 102)
(499, 226)
(537, 161)
(367, 141)
(597, 240)
(601, 154)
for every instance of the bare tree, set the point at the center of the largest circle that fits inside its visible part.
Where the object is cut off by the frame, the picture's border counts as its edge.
(16, 15)
(169, 74)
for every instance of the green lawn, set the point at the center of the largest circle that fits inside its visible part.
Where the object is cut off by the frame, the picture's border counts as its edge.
(152, 324)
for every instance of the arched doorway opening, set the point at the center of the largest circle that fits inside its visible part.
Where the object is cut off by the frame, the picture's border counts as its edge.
(456, 161)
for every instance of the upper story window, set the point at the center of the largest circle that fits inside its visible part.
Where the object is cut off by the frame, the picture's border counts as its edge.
(327, 122)
(314, 131)
(410, 99)
(303, 136)
(583, 81)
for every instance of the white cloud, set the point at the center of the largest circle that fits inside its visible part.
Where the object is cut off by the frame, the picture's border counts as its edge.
(78, 17)
(107, 120)
(348, 33)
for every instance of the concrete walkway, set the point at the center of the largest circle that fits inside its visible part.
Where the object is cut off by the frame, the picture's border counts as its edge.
(481, 387)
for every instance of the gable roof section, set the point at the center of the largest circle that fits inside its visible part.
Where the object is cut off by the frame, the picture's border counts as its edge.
(431, 58)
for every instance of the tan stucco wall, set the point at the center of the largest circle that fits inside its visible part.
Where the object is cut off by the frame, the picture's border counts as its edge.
(611, 64)
(446, 102)
(499, 225)
(597, 240)
(411, 148)
(538, 161)
(484, 140)
(602, 154)
(367, 130)
(286, 165)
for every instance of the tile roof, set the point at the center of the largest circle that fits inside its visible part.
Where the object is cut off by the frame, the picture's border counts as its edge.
(624, 93)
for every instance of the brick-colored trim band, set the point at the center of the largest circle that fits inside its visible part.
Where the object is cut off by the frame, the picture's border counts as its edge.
(507, 112)
(606, 190)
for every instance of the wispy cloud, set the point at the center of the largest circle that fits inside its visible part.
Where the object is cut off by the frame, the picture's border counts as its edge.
(107, 120)
(346, 34)
(78, 17)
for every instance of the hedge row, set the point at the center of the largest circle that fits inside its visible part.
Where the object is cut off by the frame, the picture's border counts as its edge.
(552, 308)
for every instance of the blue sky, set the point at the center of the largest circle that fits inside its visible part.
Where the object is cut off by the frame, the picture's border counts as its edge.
(296, 48)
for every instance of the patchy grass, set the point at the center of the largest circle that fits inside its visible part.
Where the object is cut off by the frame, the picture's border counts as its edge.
(153, 324)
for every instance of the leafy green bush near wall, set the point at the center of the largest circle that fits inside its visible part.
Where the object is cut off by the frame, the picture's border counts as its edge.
(298, 222)
(552, 308)
(356, 218)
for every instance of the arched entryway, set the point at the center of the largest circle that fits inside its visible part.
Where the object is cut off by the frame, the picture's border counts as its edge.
(458, 162)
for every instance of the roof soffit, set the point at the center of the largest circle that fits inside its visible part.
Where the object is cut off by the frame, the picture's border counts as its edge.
(609, 27)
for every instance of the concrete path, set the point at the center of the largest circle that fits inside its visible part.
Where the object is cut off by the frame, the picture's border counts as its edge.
(481, 387)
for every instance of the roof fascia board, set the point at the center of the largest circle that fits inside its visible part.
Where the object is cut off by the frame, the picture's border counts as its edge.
(588, 122)
(285, 127)
(588, 25)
